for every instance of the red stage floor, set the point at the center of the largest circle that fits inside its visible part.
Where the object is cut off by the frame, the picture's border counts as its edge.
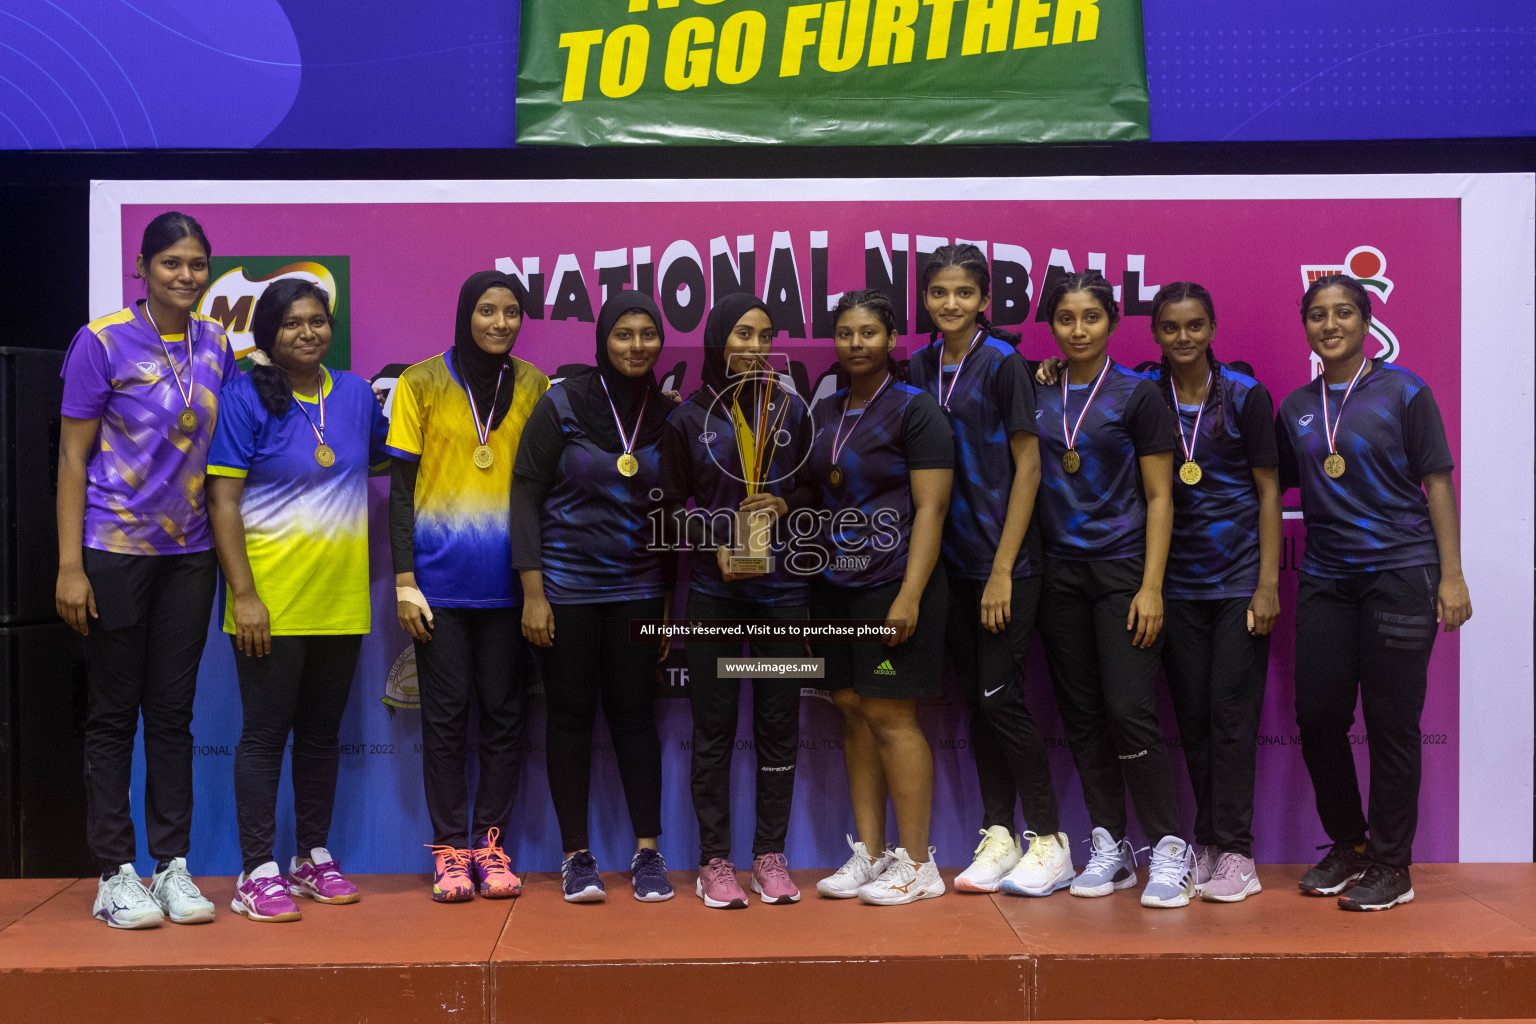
(1465, 948)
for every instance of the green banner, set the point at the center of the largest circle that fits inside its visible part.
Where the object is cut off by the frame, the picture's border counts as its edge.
(851, 72)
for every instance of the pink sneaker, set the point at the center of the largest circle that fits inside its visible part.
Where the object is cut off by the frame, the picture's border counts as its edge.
(770, 879)
(263, 896)
(1205, 864)
(320, 879)
(450, 881)
(718, 888)
(491, 869)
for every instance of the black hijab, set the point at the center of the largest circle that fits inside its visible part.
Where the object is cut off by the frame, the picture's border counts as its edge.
(717, 331)
(477, 368)
(627, 393)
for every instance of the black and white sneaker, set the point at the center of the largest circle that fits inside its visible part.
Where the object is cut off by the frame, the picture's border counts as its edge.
(1331, 875)
(1380, 888)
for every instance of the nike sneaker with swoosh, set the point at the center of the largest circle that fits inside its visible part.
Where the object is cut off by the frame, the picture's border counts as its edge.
(903, 881)
(1234, 880)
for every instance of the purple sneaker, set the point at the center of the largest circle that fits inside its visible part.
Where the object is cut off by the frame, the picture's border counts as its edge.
(1205, 863)
(1234, 880)
(263, 896)
(320, 879)
(718, 888)
(771, 881)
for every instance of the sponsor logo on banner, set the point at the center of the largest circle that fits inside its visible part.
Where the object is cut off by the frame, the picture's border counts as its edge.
(1366, 264)
(236, 283)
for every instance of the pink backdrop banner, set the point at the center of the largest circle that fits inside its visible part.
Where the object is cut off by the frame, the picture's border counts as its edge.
(407, 260)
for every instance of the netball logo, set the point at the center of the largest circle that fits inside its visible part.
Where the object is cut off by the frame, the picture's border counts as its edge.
(239, 281)
(401, 689)
(1366, 264)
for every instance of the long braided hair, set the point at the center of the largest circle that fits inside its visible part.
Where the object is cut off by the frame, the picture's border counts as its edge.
(1178, 291)
(966, 257)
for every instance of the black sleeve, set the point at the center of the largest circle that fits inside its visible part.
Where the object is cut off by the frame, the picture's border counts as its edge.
(538, 452)
(1150, 421)
(1424, 436)
(402, 514)
(930, 440)
(1290, 473)
(1016, 395)
(527, 506)
(1256, 422)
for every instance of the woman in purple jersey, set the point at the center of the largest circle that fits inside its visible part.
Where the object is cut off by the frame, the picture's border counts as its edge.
(1106, 510)
(734, 450)
(992, 559)
(1221, 589)
(882, 464)
(1382, 566)
(136, 565)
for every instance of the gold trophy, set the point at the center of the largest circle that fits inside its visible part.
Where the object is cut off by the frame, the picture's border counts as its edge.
(757, 440)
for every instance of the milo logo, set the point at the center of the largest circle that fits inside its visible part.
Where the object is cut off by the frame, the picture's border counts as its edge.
(236, 283)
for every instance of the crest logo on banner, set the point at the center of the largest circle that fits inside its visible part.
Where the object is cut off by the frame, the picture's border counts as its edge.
(238, 281)
(1366, 264)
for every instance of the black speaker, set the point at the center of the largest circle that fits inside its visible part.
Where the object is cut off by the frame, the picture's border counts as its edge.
(30, 393)
(42, 753)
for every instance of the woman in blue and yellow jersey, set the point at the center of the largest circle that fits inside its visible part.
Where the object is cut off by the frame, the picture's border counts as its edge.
(582, 503)
(288, 500)
(454, 429)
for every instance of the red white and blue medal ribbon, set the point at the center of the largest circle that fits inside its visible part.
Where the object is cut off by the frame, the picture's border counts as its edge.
(839, 442)
(944, 396)
(1070, 460)
(1333, 464)
(627, 463)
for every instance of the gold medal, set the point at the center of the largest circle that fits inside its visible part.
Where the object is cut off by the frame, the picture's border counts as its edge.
(484, 457)
(1190, 472)
(836, 476)
(325, 456)
(186, 420)
(1333, 465)
(628, 464)
(1071, 461)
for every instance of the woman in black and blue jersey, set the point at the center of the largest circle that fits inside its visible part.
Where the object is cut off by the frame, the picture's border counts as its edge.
(1366, 445)
(1221, 588)
(993, 560)
(1106, 511)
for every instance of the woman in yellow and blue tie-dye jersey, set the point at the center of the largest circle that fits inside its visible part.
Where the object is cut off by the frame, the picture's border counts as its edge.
(454, 429)
(288, 498)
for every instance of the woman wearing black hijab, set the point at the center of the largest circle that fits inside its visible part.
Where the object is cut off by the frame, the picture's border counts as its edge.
(455, 422)
(582, 504)
(757, 433)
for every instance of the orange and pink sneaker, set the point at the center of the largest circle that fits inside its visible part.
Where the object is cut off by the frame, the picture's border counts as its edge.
(451, 883)
(491, 869)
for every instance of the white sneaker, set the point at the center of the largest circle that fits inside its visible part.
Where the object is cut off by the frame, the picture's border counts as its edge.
(844, 883)
(1112, 866)
(995, 857)
(1045, 867)
(178, 897)
(903, 881)
(123, 902)
(1171, 880)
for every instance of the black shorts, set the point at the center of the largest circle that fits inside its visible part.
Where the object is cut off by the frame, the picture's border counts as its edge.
(908, 671)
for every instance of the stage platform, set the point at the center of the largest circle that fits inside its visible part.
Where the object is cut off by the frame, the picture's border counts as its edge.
(1465, 948)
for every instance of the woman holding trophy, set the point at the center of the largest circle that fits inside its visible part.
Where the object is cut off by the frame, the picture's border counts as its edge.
(733, 448)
